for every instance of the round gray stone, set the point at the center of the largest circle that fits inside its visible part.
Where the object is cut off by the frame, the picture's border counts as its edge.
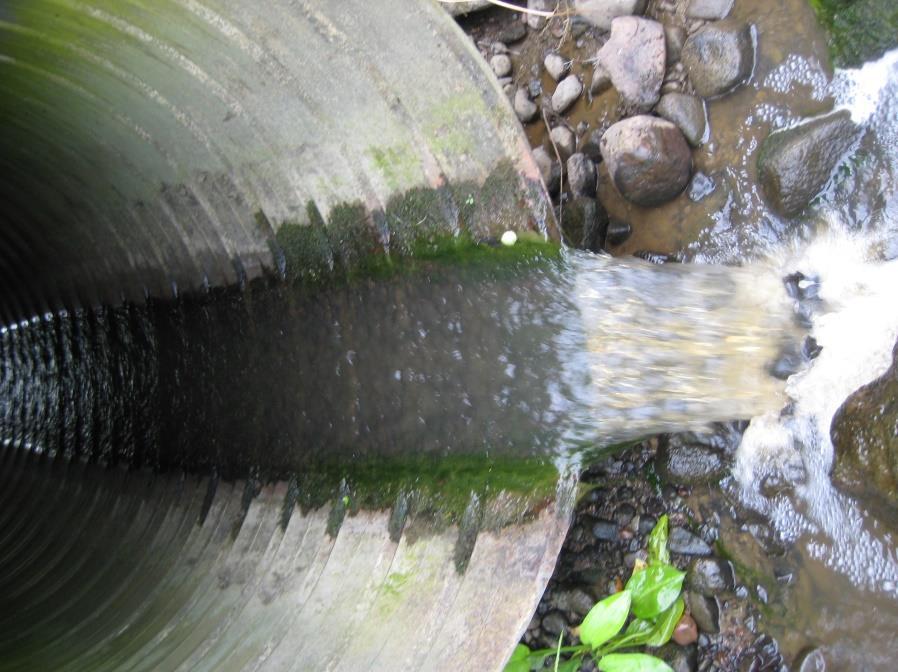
(687, 112)
(718, 57)
(501, 65)
(566, 93)
(556, 66)
(581, 175)
(565, 140)
(525, 108)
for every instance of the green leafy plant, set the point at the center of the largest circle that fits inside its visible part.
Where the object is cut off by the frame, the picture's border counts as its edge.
(652, 603)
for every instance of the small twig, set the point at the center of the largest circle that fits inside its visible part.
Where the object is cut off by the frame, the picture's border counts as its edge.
(560, 170)
(507, 5)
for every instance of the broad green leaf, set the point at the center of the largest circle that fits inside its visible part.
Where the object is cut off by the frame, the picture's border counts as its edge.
(666, 623)
(640, 625)
(571, 665)
(654, 589)
(519, 661)
(632, 662)
(605, 619)
(658, 553)
(521, 651)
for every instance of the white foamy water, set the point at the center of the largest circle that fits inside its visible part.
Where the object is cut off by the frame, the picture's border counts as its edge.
(857, 327)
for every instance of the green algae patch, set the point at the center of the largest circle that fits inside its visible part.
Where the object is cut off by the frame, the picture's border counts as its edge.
(858, 30)
(344, 250)
(438, 490)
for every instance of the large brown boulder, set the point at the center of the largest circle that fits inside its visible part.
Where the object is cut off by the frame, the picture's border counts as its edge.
(864, 432)
(796, 163)
(648, 159)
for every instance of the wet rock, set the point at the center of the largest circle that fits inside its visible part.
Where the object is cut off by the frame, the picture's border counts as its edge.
(601, 80)
(789, 361)
(700, 187)
(525, 108)
(535, 88)
(554, 622)
(687, 112)
(711, 10)
(581, 175)
(624, 514)
(501, 65)
(705, 612)
(601, 13)
(810, 349)
(605, 530)
(864, 432)
(686, 631)
(535, 21)
(685, 543)
(565, 140)
(718, 57)
(556, 66)
(566, 93)
(688, 464)
(577, 601)
(548, 168)
(811, 660)
(795, 164)
(512, 32)
(674, 39)
(680, 658)
(591, 145)
(584, 224)
(618, 232)
(634, 58)
(648, 159)
(709, 576)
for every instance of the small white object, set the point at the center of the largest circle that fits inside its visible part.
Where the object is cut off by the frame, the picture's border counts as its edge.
(509, 238)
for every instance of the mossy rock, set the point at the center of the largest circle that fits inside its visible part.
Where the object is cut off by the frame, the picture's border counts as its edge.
(858, 30)
(865, 435)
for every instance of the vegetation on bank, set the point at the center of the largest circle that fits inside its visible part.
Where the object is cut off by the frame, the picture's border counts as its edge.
(858, 30)
(651, 601)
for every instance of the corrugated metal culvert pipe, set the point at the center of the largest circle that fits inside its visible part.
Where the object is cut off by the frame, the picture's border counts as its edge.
(192, 193)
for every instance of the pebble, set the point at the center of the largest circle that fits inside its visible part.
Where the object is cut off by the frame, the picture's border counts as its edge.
(674, 38)
(810, 661)
(686, 631)
(564, 140)
(601, 13)
(705, 611)
(566, 93)
(556, 66)
(700, 187)
(591, 145)
(684, 542)
(525, 108)
(581, 173)
(501, 65)
(605, 530)
(513, 32)
(710, 10)
(710, 576)
(618, 232)
(554, 622)
(548, 168)
(687, 112)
